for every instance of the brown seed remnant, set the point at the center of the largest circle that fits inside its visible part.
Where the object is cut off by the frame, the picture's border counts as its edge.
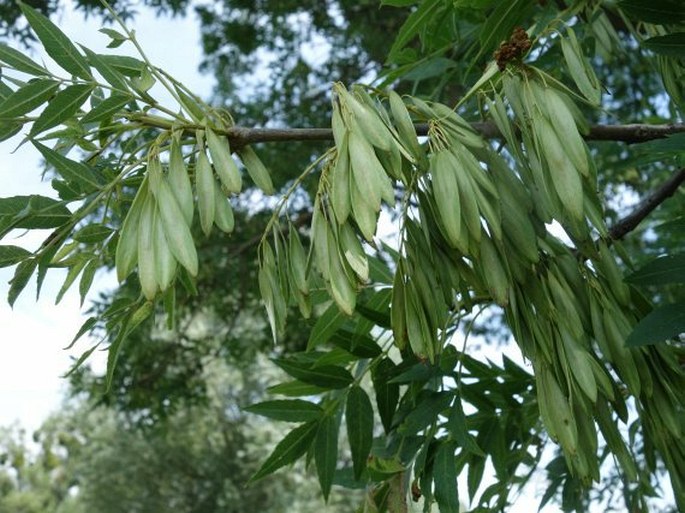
(513, 50)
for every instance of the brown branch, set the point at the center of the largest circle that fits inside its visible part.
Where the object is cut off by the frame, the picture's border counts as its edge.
(633, 133)
(647, 205)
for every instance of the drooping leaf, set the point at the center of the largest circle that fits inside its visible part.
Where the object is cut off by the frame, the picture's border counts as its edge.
(28, 97)
(32, 212)
(657, 11)
(106, 108)
(87, 325)
(74, 270)
(21, 277)
(325, 376)
(17, 60)
(661, 324)
(294, 410)
(294, 445)
(87, 279)
(70, 170)
(326, 452)
(387, 394)
(445, 478)
(660, 271)
(10, 255)
(57, 45)
(672, 45)
(62, 107)
(325, 326)
(359, 416)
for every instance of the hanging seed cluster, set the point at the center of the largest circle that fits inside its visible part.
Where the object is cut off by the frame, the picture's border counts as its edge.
(156, 234)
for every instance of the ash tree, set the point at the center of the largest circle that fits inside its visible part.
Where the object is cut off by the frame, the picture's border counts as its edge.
(494, 139)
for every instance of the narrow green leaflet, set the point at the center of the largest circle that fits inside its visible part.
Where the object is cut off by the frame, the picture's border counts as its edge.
(295, 389)
(10, 255)
(28, 97)
(106, 108)
(88, 325)
(293, 410)
(33, 212)
(326, 326)
(294, 445)
(109, 72)
(326, 452)
(21, 277)
(17, 60)
(415, 22)
(325, 376)
(359, 416)
(660, 271)
(70, 170)
(56, 43)
(445, 478)
(387, 394)
(426, 411)
(661, 324)
(62, 107)
(87, 279)
(92, 233)
(655, 11)
(671, 45)
(73, 273)
(129, 66)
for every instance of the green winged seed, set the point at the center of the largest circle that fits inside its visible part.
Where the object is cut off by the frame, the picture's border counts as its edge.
(147, 273)
(367, 122)
(165, 263)
(494, 272)
(580, 365)
(364, 213)
(340, 184)
(256, 169)
(443, 168)
(354, 252)
(565, 126)
(298, 262)
(320, 234)
(581, 73)
(405, 127)
(223, 213)
(366, 169)
(126, 255)
(180, 182)
(177, 232)
(205, 184)
(224, 164)
(342, 290)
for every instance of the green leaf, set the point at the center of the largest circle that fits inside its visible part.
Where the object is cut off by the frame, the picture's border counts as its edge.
(387, 394)
(86, 354)
(70, 170)
(87, 279)
(501, 22)
(32, 212)
(672, 45)
(359, 416)
(106, 108)
(445, 478)
(431, 68)
(129, 66)
(325, 376)
(56, 43)
(129, 323)
(85, 328)
(414, 23)
(294, 410)
(62, 107)
(663, 12)
(357, 344)
(428, 406)
(660, 271)
(325, 326)
(661, 324)
(93, 233)
(8, 130)
(17, 60)
(10, 255)
(21, 277)
(295, 389)
(74, 270)
(109, 72)
(28, 97)
(326, 452)
(288, 450)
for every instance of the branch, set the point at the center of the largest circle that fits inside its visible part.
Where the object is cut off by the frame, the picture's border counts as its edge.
(632, 133)
(647, 205)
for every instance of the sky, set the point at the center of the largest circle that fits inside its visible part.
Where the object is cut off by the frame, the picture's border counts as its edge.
(34, 333)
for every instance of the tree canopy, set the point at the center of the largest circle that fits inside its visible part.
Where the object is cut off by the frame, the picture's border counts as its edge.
(493, 138)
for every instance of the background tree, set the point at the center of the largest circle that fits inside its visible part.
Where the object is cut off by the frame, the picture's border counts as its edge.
(524, 266)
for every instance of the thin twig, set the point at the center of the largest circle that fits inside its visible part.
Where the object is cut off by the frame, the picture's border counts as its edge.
(633, 133)
(647, 205)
